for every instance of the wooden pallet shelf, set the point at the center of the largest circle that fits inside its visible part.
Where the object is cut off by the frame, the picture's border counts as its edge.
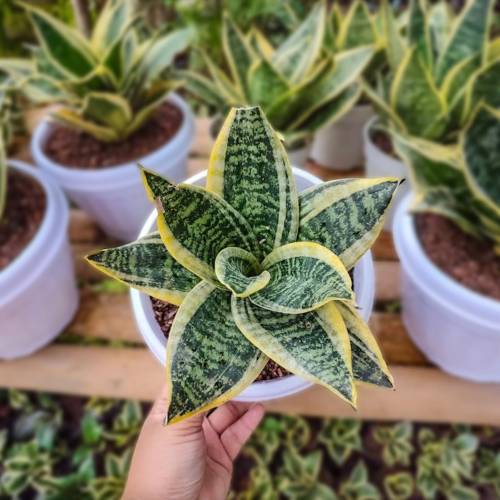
(422, 391)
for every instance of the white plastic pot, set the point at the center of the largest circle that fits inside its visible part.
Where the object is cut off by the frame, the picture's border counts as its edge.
(38, 294)
(455, 327)
(114, 196)
(380, 164)
(339, 146)
(299, 156)
(364, 287)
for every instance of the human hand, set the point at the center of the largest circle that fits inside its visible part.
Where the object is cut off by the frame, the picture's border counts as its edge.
(192, 459)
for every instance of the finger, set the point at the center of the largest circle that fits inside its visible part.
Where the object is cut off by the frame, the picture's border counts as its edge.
(236, 435)
(226, 415)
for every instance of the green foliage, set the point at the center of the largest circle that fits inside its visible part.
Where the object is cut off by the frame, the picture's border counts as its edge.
(250, 261)
(399, 486)
(107, 85)
(358, 486)
(396, 441)
(341, 438)
(299, 86)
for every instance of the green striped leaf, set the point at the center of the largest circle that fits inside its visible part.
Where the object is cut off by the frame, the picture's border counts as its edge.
(72, 119)
(240, 271)
(209, 361)
(41, 89)
(345, 216)
(107, 109)
(111, 24)
(69, 51)
(357, 28)
(232, 94)
(413, 89)
(297, 55)
(249, 168)
(418, 31)
(304, 276)
(368, 364)
(195, 225)
(331, 111)
(469, 36)
(238, 51)
(314, 346)
(16, 68)
(484, 87)
(146, 265)
(394, 42)
(440, 19)
(202, 88)
(347, 68)
(266, 84)
(493, 51)
(481, 151)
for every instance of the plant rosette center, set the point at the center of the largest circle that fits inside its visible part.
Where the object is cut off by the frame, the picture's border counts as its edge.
(258, 271)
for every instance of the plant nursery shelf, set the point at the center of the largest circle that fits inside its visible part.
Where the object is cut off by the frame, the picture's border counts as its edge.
(423, 392)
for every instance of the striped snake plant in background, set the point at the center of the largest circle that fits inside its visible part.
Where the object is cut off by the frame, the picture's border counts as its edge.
(107, 85)
(441, 110)
(299, 85)
(258, 271)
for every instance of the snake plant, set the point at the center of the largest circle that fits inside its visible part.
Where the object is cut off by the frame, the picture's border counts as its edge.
(440, 72)
(299, 86)
(108, 85)
(258, 271)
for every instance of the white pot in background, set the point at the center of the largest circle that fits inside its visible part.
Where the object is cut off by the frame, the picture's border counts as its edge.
(380, 164)
(339, 146)
(38, 294)
(299, 156)
(457, 328)
(115, 196)
(364, 286)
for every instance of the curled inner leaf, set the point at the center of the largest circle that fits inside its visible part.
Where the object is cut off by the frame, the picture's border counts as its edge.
(240, 271)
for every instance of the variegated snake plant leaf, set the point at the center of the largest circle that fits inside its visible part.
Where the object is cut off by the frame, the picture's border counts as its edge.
(258, 271)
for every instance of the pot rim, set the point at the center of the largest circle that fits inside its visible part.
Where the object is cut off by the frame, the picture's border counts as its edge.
(289, 384)
(440, 286)
(47, 238)
(117, 175)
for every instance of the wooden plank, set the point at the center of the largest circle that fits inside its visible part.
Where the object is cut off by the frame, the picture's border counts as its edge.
(82, 228)
(327, 174)
(203, 142)
(387, 284)
(384, 249)
(133, 373)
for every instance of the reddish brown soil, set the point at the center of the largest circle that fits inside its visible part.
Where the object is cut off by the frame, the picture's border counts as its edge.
(468, 260)
(165, 314)
(76, 149)
(22, 217)
(383, 142)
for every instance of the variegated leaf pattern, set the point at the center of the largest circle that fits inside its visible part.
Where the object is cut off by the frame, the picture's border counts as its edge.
(295, 57)
(357, 28)
(240, 271)
(418, 31)
(484, 87)
(368, 364)
(314, 345)
(304, 276)
(468, 37)
(345, 216)
(196, 225)
(146, 265)
(209, 361)
(249, 168)
(481, 150)
(413, 88)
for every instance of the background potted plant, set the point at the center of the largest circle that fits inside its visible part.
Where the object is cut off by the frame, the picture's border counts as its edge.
(424, 94)
(35, 257)
(339, 146)
(114, 107)
(299, 87)
(263, 270)
(450, 253)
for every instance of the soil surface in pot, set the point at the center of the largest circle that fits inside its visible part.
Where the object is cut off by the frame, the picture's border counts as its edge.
(79, 150)
(165, 314)
(383, 141)
(22, 217)
(468, 260)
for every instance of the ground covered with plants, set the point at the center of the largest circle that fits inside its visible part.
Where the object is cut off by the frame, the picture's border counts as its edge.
(61, 447)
